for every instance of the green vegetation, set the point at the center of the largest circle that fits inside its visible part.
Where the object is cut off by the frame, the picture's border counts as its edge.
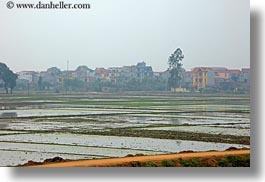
(235, 161)
(8, 77)
(168, 163)
(175, 69)
(190, 163)
(229, 161)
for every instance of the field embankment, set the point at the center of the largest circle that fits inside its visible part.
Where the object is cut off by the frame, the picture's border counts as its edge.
(233, 158)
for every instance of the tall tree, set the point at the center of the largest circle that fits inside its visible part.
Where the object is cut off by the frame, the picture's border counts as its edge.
(8, 77)
(175, 68)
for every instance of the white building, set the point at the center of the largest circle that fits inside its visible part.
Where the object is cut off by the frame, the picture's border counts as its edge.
(26, 75)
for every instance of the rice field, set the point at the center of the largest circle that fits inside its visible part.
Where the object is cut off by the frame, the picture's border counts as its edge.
(101, 125)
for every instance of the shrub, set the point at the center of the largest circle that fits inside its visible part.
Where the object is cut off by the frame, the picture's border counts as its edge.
(189, 163)
(153, 164)
(170, 163)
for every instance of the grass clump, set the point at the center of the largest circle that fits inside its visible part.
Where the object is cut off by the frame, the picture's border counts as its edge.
(168, 163)
(235, 161)
(190, 163)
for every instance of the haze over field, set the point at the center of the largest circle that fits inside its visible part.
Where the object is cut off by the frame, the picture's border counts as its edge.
(124, 32)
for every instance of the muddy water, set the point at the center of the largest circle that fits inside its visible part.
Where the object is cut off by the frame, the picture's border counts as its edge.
(14, 158)
(58, 112)
(160, 145)
(206, 129)
(73, 125)
(73, 146)
(20, 142)
(23, 152)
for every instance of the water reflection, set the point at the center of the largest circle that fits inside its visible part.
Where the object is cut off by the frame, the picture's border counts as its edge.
(8, 107)
(8, 114)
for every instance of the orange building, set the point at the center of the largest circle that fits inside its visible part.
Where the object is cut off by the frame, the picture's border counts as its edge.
(202, 77)
(220, 72)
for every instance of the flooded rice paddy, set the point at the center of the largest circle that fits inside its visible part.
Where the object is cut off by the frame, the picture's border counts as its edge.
(78, 126)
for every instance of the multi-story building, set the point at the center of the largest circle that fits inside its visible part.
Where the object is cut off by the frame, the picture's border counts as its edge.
(102, 74)
(128, 73)
(220, 72)
(138, 72)
(84, 70)
(203, 77)
(115, 74)
(115, 71)
(143, 71)
(84, 74)
(29, 76)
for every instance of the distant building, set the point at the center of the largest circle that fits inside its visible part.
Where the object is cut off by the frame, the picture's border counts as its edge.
(179, 90)
(128, 73)
(165, 75)
(234, 75)
(138, 72)
(26, 79)
(115, 74)
(213, 79)
(188, 76)
(143, 71)
(188, 79)
(203, 77)
(85, 74)
(48, 77)
(220, 72)
(245, 75)
(54, 71)
(26, 75)
(102, 74)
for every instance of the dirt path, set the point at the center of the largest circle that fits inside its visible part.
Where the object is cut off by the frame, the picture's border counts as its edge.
(155, 158)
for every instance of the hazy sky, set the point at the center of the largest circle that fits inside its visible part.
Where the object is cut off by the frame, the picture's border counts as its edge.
(124, 32)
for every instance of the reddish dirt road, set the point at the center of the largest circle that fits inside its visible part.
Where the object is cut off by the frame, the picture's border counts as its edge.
(155, 158)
